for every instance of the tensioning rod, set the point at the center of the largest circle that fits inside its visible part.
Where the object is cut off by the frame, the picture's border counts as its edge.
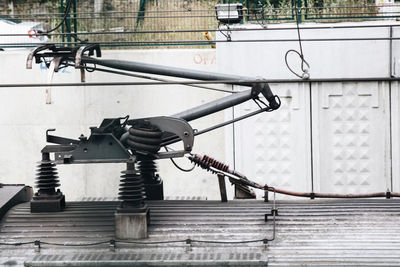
(203, 110)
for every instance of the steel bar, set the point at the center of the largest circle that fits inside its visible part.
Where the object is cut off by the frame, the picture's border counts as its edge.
(168, 71)
(214, 106)
(215, 30)
(327, 80)
(151, 78)
(199, 42)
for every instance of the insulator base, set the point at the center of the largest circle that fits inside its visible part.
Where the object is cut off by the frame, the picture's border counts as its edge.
(48, 203)
(131, 225)
(155, 191)
(47, 198)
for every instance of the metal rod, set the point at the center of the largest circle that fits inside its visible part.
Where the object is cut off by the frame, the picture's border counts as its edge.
(214, 106)
(327, 80)
(231, 121)
(198, 42)
(167, 70)
(212, 30)
(151, 78)
(174, 139)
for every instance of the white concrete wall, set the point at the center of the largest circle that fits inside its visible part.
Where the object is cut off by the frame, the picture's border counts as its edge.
(326, 137)
(25, 116)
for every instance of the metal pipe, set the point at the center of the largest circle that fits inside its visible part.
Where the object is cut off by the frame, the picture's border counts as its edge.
(174, 139)
(322, 80)
(168, 71)
(214, 106)
(150, 78)
(207, 108)
(211, 30)
(205, 42)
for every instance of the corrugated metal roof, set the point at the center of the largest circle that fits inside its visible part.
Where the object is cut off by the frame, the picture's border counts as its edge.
(320, 232)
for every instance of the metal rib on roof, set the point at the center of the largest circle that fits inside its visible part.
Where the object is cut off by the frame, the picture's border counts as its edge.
(312, 232)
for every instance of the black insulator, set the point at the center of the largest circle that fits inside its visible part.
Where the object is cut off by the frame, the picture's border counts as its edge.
(46, 177)
(131, 189)
(147, 140)
(147, 168)
(144, 140)
(207, 162)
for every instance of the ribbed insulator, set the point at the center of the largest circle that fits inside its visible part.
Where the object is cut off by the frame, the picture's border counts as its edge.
(147, 168)
(46, 176)
(131, 189)
(207, 162)
(145, 140)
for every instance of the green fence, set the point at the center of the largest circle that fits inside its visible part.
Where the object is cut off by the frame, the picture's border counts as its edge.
(154, 23)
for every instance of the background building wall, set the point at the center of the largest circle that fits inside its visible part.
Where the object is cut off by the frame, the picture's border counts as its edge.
(25, 116)
(328, 137)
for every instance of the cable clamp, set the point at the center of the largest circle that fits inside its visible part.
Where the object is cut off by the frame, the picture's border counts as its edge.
(305, 75)
(266, 193)
(312, 195)
(36, 246)
(265, 242)
(388, 194)
(188, 244)
(112, 245)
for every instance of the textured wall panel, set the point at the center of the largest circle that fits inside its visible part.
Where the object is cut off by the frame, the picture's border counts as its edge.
(351, 137)
(274, 148)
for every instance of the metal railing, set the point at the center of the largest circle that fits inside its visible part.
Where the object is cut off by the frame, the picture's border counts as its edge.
(154, 23)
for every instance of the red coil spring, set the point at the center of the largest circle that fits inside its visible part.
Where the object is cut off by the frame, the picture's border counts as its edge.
(207, 162)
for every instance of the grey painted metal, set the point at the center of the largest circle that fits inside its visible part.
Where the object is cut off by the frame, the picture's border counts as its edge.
(192, 82)
(309, 232)
(174, 127)
(11, 195)
(167, 70)
(214, 106)
(203, 110)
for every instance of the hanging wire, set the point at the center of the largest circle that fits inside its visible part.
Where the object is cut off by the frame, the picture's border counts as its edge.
(228, 32)
(176, 164)
(262, 15)
(305, 75)
(66, 12)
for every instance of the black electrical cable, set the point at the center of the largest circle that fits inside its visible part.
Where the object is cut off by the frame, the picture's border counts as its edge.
(305, 74)
(17, 243)
(262, 16)
(302, 63)
(66, 12)
(176, 164)
(151, 242)
(227, 35)
(76, 244)
(229, 242)
(187, 241)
